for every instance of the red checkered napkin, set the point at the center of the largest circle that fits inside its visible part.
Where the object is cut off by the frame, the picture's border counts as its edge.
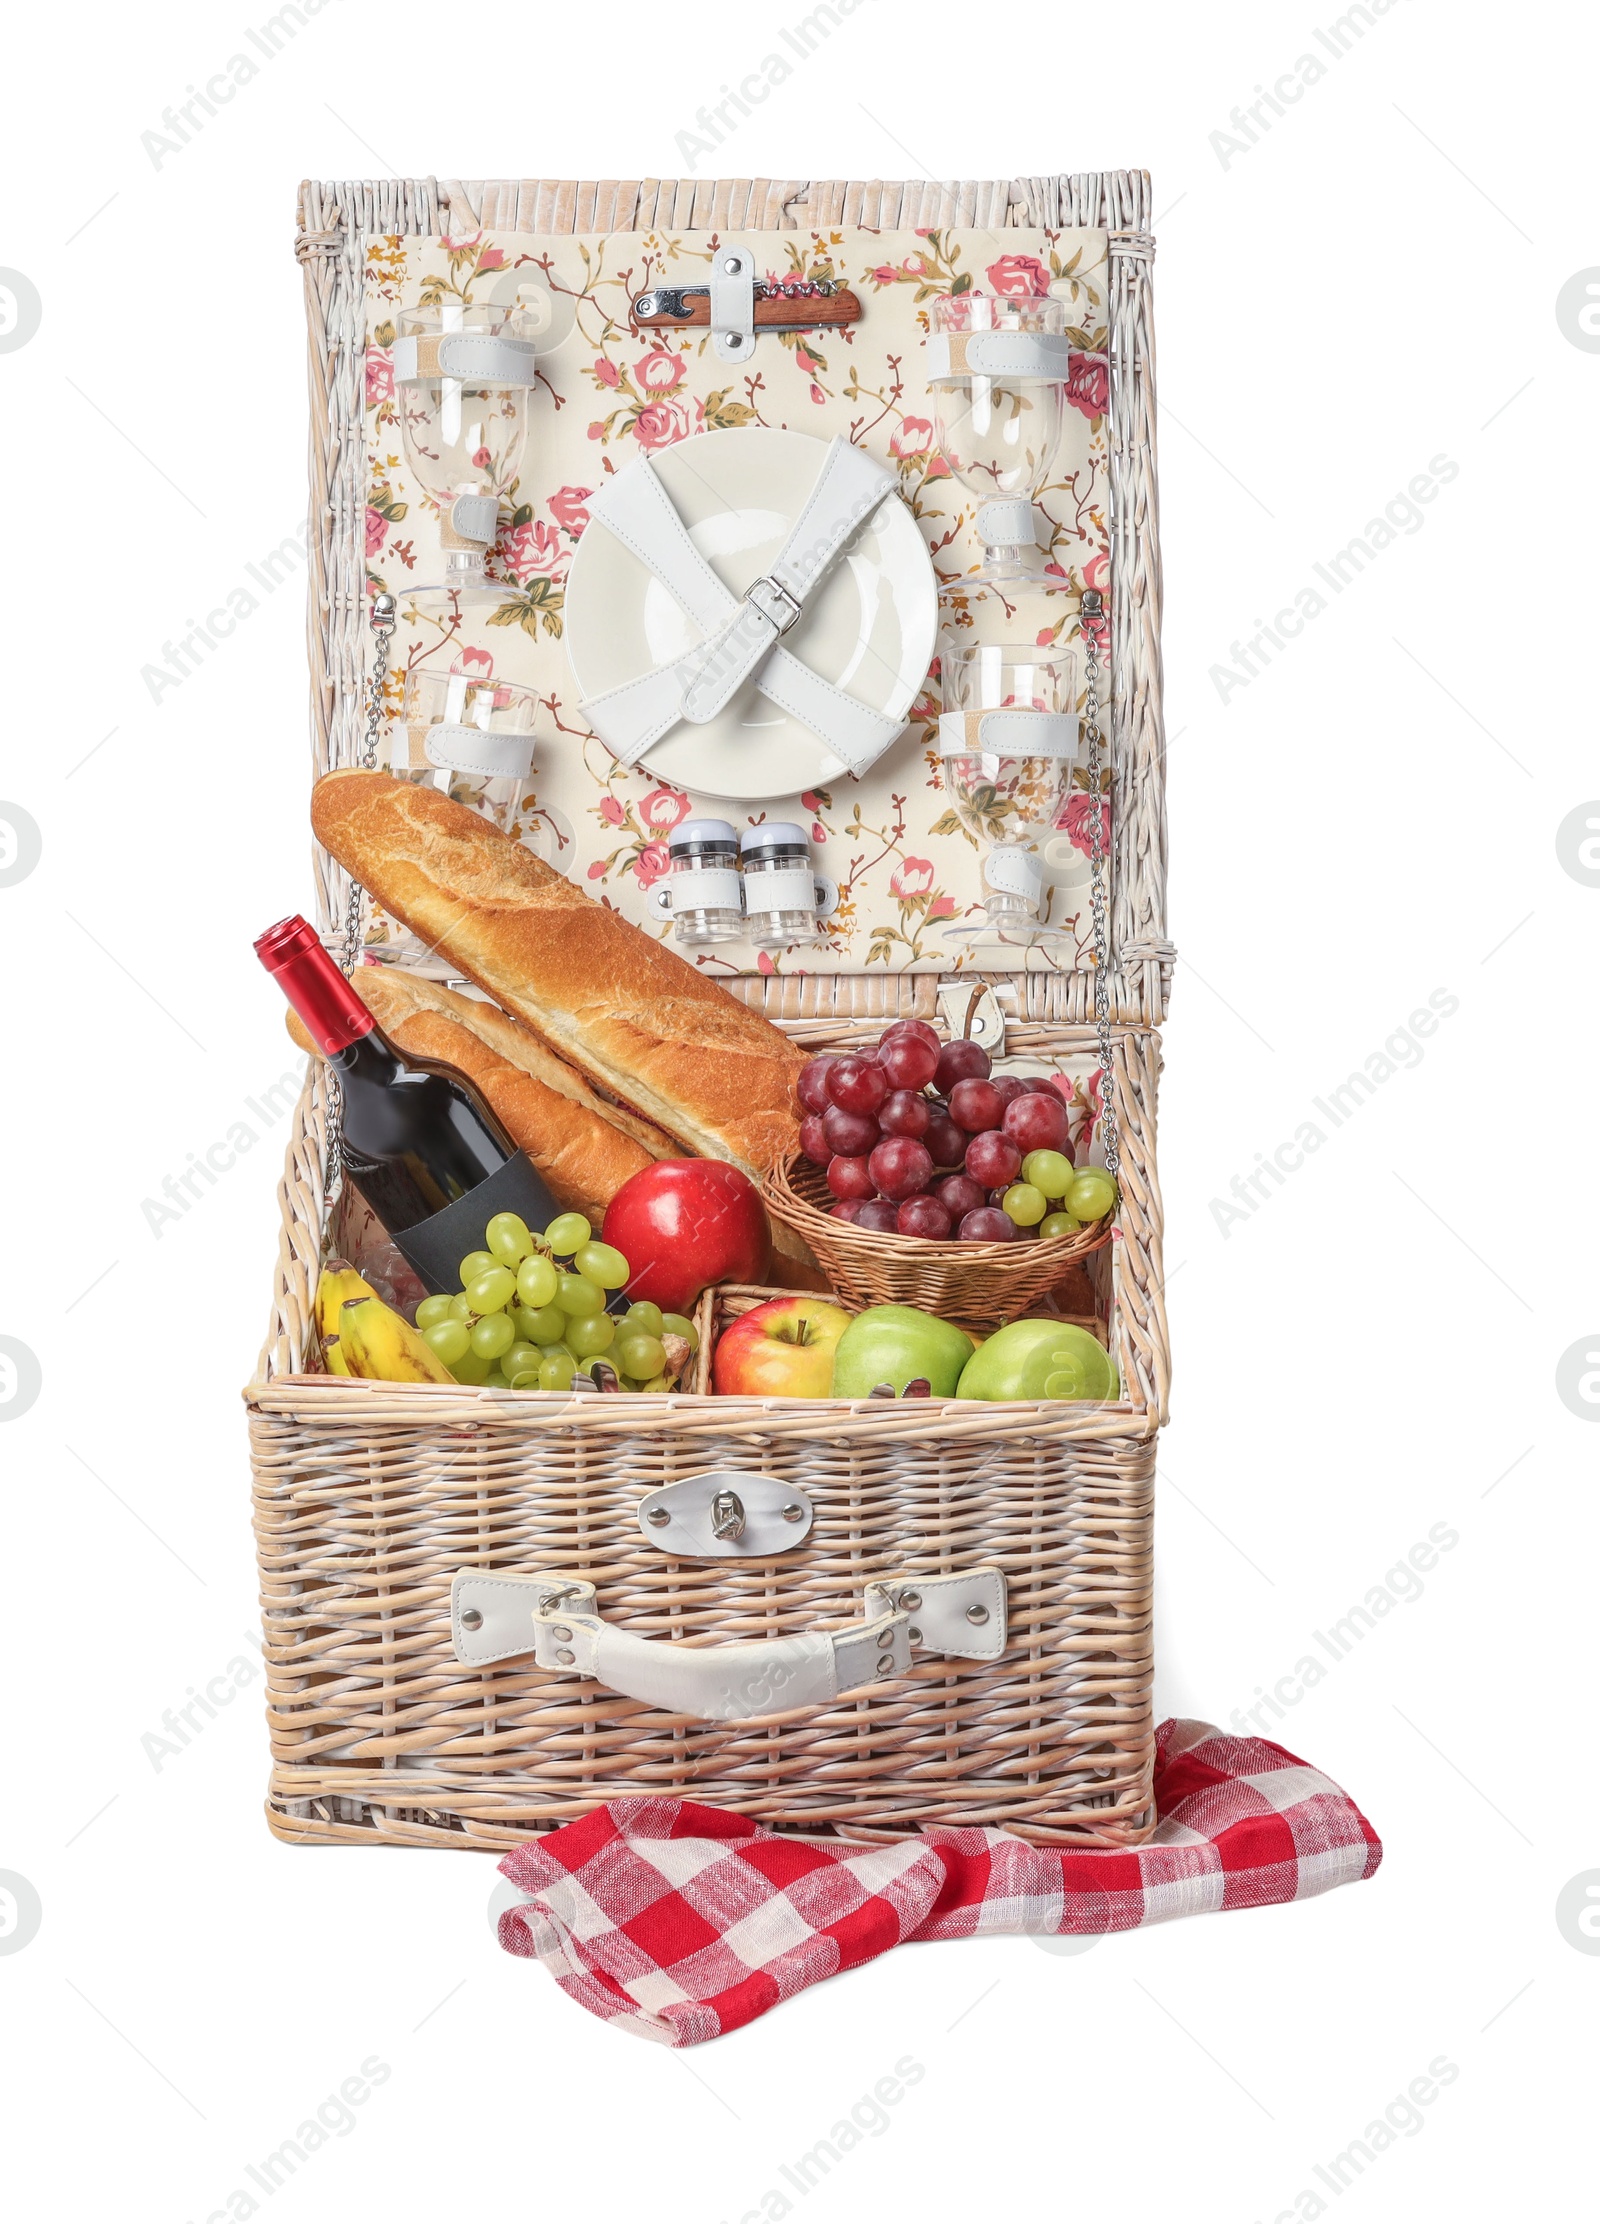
(679, 1922)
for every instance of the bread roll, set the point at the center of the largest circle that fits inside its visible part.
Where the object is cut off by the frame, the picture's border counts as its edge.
(585, 1149)
(627, 1010)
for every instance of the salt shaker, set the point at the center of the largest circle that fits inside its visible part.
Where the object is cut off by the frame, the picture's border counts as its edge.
(780, 890)
(704, 884)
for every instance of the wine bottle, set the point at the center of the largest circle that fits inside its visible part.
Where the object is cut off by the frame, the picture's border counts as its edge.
(417, 1140)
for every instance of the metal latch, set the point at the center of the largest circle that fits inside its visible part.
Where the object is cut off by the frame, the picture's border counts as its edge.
(728, 1514)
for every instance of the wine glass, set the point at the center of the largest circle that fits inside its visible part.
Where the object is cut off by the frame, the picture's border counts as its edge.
(999, 430)
(464, 436)
(470, 736)
(1008, 735)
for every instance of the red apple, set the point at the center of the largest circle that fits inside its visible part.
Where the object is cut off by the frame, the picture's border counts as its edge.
(783, 1349)
(683, 1224)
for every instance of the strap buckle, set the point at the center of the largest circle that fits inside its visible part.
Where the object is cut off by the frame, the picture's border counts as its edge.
(783, 609)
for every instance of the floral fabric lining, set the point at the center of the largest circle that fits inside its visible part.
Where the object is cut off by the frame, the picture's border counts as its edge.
(904, 864)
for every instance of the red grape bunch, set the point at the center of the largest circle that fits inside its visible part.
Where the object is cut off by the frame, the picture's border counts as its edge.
(983, 1159)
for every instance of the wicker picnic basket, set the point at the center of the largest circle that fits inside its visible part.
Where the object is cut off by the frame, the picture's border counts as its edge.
(371, 1499)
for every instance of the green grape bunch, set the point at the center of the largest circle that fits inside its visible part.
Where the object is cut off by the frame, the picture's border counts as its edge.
(533, 1312)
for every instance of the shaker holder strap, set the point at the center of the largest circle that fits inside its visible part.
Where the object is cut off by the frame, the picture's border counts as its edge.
(781, 888)
(955, 356)
(705, 888)
(555, 1617)
(487, 753)
(476, 358)
(1008, 733)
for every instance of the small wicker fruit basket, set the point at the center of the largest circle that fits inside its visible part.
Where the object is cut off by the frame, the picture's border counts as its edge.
(986, 1284)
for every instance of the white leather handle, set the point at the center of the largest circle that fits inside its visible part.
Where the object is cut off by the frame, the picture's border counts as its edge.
(722, 1683)
(493, 1617)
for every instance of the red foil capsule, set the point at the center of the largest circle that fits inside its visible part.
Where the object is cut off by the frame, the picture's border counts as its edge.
(334, 1014)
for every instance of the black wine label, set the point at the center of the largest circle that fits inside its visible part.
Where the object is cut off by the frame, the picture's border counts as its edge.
(435, 1248)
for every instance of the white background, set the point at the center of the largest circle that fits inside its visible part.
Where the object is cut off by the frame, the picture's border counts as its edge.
(1373, 1352)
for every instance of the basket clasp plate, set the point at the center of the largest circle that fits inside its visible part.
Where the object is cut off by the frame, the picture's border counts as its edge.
(726, 1515)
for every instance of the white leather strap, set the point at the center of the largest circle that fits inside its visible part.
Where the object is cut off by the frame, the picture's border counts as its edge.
(637, 508)
(787, 888)
(1011, 871)
(954, 356)
(488, 754)
(1008, 733)
(473, 521)
(732, 288)
(706, 888)
(1010, 522)
(855, 732)
(742, 634)
(477, 358)
(497, 1617)
(848, 489)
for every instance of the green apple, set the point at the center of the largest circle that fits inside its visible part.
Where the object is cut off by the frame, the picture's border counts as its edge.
(1039, 1359)
(897, 1344)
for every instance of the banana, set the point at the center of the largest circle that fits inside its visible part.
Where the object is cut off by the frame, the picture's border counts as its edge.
(382, 1346)
(333, 1356)
(337, 1282)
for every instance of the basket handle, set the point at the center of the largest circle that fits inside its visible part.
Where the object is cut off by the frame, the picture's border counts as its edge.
(494, 1617)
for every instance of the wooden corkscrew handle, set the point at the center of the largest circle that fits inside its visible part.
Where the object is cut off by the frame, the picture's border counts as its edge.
(683, 308)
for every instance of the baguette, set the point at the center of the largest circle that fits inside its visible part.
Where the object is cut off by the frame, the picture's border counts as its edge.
(584, 1148)
(627, 1011)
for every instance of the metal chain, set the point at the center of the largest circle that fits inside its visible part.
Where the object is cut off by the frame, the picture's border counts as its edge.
(383, 615)
(1092, 607)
